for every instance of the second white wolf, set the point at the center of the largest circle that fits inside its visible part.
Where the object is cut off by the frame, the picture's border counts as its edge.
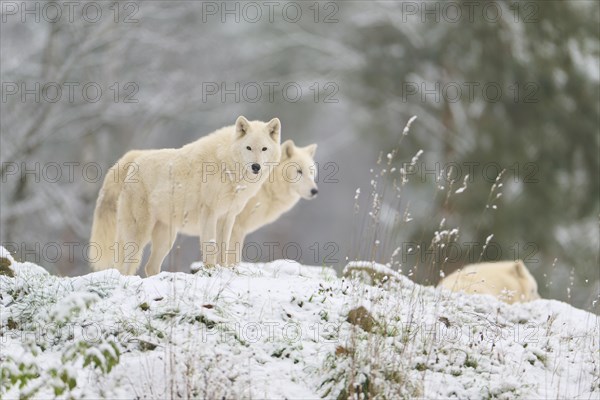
(292, 179)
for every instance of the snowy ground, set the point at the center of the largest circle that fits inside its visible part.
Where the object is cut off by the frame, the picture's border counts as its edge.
(284, 330)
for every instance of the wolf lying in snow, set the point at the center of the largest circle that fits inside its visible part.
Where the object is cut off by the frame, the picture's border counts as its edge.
(200, 188)
(509, 281)
(293, 178)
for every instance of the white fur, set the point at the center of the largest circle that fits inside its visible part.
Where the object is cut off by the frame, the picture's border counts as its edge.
(278, 195)
(196, 189)
(509, 281)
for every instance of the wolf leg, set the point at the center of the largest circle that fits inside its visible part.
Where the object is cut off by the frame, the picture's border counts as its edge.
(208, 237)
(236, 244)
(132, 232)
(225, 236)
(163, 238)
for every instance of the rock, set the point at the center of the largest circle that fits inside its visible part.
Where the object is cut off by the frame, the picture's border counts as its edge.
(371, 273)
(361, 317)
(6, 267)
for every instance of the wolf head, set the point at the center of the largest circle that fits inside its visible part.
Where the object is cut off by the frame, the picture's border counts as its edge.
(298, 169)
(256, 144)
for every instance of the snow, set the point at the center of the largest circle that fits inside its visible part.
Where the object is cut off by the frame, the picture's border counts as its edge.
(281, 330)
(6, 254)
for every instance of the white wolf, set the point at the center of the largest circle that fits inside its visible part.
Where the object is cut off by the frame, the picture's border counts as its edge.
(151, 195)
(509, 281)
(293, 178)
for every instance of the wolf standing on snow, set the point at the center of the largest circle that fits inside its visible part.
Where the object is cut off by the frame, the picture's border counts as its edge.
(200, 188)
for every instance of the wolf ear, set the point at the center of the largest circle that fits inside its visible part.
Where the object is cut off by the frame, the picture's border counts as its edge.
(241, 126)
(520, 269)
(311, 149)
(287, 149)
(274, 127)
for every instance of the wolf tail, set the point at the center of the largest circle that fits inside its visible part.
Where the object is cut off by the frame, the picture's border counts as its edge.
(104, 226)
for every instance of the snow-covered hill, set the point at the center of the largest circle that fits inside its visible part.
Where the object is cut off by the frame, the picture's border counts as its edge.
(283, 330)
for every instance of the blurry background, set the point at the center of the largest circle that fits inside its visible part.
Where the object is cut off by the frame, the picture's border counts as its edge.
(496, 86)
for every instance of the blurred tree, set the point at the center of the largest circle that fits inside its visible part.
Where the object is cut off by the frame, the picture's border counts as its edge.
(533, 72)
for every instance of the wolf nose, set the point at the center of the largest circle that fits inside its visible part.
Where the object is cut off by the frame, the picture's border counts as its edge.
(255, 168)
(314, 192)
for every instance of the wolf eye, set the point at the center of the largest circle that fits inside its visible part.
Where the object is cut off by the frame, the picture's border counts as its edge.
(264, 149)
(249, 148)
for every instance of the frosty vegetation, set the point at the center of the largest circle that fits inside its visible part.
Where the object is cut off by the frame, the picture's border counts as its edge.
(283, 330)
